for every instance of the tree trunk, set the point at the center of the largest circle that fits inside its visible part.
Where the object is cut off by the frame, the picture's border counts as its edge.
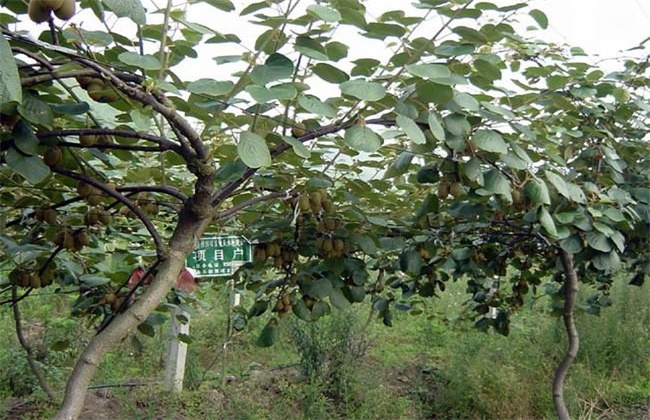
(570, 295)
(189, 229)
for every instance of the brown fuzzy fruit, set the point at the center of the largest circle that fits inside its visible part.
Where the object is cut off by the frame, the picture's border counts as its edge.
(82, 238)
(105, 218)
(49, 216)
(35, 281)
(68, 241)
(66, 10)
(53, 156)
(37, 12)
(456, 190)
(88, 140)
(443, 189)
(85, 81)
(101, 93)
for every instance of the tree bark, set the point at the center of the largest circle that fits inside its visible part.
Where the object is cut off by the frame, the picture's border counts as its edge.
(28, 349)
(570, 295)
(190, 227)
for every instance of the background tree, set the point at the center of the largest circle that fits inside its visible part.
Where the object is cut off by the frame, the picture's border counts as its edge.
(472, 152)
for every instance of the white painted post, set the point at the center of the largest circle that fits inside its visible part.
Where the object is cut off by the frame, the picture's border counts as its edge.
(177, 352)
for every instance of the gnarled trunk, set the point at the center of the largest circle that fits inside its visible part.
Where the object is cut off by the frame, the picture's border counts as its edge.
(570, 295)
(189, 228)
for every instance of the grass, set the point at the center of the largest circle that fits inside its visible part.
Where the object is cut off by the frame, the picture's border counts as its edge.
(423, 367)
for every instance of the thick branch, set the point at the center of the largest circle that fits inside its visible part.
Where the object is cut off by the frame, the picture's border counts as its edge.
(164, 143)
(29, 354)
(234, 209)
(160, 247)
(56, 75)
(164, 189)
(570, 296)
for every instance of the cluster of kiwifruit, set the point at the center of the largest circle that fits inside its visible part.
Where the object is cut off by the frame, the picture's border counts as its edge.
(282, 256)
(72, 241)
(98, 89)
(143, 200)
(315, 202)
(47, 215)
(283, 305)
(327, 243)
(90, 140)
(39, 11)
(446, 188)
(112, 299)
(96, 216)
(93, 195)
(25, 278)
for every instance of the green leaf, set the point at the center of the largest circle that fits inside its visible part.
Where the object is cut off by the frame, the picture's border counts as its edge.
(253, 150)
(71, 108)
(540, 18)
(325, 13)
(298, 148)
(546, 220)
(10, 87)
(537, 192)
(400, 165)
(320, 309)
(224, 5)
(361, 89)
(487, 70)
(411, 129)
(31, 168)
(330, 73)
(572, 244)
(457, 124)
(360, 137)
(317, 288)
(466, 101)
(497, 183)
(92, 280)
(147, 329)
(311, 48)
(436, 126)
(338, 299)
(24, 138)
(276, 67)
(145, 61)
(316, 106)
(36, 110)
(558, 183)
(269, 335)
(270, 41)
(300, 310)
(411, 262)
(606, 261)
(132, 9)
(429, 71)
(490, 141)
(598, 241)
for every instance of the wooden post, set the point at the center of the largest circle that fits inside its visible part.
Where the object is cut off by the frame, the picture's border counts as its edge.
(177, 351)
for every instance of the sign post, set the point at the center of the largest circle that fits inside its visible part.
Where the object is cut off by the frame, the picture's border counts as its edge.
(215, 256)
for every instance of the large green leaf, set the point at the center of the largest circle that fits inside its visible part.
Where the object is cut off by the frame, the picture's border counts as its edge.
(276, 67)
(598, 241)
(490, 141)
(325, 13)
(540, 18)
(316, 106)
(24, 138)
(466, 101)
(298, 148)
(411, 262)
(537, 192)
(225, 5)
(31, 168)
(253, 150)
(330, 73)
(210, 87)
(558, 183)
(362, 138)
(364, 90)
(411, 129)
(131, 9)
(10, 88)
(436, 126)
(269, 335)
(144, 61)
(546, 220)
(429, 71)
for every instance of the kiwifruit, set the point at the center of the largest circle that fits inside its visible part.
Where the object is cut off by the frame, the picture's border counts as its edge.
(151, 208)
(339, 245)
(303, 202)
(330, 224)
(66, 10)
(58, 238)
(94, 198)
(35, 280)
(84, 190)
(110, 298)
(443, 189)
(49, 216)
(82, 238)
(102, 93)
(315, 202)
(328, 206)
(50, 4)
(53, 156)
(68, 241)
(85, 81)
(88, 140)
(37, 12)
(298, 130)
(456, 189)
(319, 243)
(260, 254)
(92, 217)
(105, 218)
(125, 211)
(320, 226)
(327, 245)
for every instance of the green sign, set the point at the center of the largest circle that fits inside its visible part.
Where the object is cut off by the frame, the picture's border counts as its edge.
(219, 255)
